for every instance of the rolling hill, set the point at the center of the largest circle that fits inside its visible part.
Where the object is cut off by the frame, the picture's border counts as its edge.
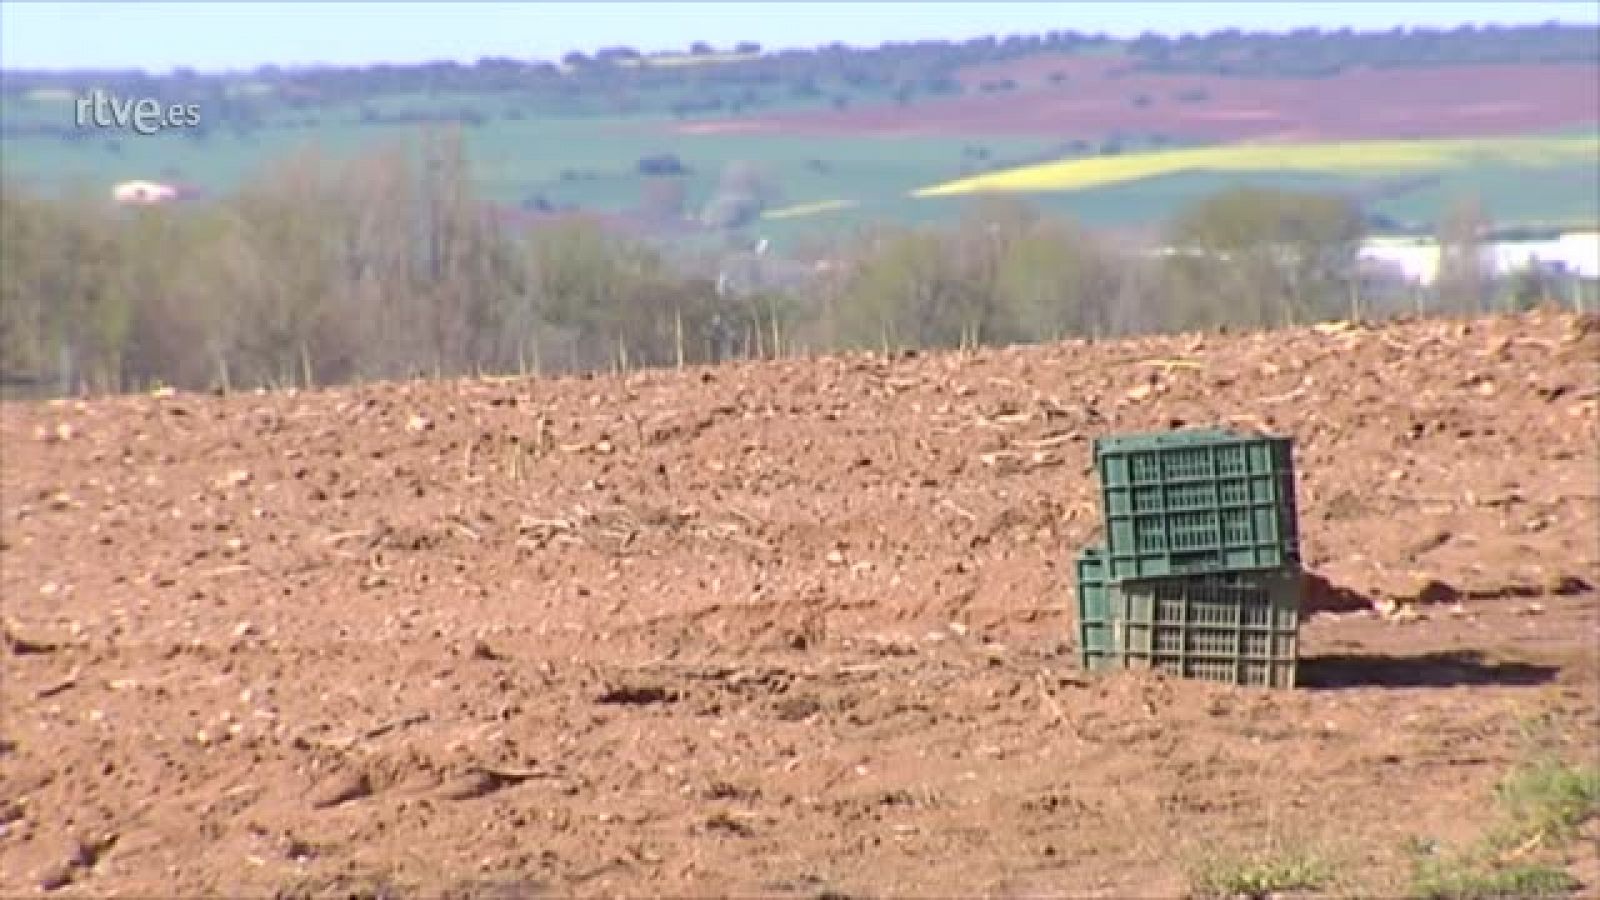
(850, 135)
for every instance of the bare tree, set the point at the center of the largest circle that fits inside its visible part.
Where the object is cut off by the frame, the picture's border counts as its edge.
(1463, 282)
(743, 191)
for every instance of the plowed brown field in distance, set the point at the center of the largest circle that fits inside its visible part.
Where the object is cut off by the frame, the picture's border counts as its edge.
(1102, 97)
(783, 628)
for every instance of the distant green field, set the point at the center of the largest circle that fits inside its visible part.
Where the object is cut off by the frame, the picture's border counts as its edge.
(1511, 196)
(590, 159)
(1141, 203)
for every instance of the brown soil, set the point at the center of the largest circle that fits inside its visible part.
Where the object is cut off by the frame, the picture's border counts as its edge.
(781, 629)
(1098, 99)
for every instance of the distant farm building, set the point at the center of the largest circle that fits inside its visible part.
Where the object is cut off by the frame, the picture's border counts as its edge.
(1576, 254)
(150, 193)
(1411, 261)
(1416, 261)
(143, 193)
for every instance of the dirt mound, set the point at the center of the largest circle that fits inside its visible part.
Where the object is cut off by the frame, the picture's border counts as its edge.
(782, 629)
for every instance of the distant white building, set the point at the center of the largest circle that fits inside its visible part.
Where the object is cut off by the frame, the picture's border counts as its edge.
(1575, 253)
(143, 193)
(1410, 260)
(1416, 260)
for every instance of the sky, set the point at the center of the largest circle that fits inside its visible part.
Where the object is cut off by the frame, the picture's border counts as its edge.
(241, 35)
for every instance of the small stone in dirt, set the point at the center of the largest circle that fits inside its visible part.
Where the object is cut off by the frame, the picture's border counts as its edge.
(418, 424)
(1567, 585)
(835, 558)
(299, 850)
(341, 789)
(1431, 591)
(474, 784)
(958, 629)
(796, 707)
(1432, 541)
(56, 877)
(637, 696)
(23, 646)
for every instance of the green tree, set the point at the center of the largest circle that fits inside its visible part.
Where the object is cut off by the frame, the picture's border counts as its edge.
(1057, 280)
(26, 234)
(179, 329)
(1261, 258)
(279, 264)
(66, 306)
(1529, 286)
(470, 278)
(908, 291)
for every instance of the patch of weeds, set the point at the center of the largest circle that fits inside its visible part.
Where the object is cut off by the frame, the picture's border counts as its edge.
(1548, 800)
(1260, 876)
(516, 888)
(1539, 732)
(345, 887)
(1461, 880)
(1544, 803)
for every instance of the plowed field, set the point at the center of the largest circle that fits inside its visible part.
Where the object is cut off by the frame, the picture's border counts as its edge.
(786, 629)
(1100, 97)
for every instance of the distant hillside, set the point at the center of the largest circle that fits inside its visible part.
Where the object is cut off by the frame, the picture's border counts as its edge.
(719, 139)
(618, 80)
(1107, 99)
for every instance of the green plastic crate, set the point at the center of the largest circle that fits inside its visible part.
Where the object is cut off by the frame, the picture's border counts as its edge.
(1095, 645)
(1239, 628)
(1197, 500)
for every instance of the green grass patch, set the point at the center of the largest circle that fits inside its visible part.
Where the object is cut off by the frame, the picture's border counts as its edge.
(1543, 804)
(1443, 881)
(1279, 870)
(1548, 800)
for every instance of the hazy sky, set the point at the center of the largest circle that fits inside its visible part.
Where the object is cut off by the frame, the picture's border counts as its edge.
(159, 36)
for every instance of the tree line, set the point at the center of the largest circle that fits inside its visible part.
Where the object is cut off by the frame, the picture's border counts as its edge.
(321, 271)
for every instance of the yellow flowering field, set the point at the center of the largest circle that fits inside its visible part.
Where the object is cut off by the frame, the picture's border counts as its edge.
(1353, 157)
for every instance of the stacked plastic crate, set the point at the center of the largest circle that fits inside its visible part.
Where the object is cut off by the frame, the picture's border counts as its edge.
(1200, 573)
